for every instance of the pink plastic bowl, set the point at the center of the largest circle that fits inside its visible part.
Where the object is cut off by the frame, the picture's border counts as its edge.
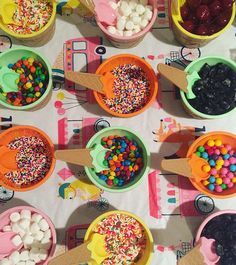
(210, 217)
(127, 42)
(5, 217)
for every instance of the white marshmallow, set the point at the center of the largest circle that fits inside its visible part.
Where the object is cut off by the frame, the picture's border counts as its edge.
(34, 228)
(38, 236)
(43, 225)
(36, 217)
(143, 23)
(149, 7)
(129, 25)
(25, 214)
(34, 254)
(21, 263)
(6, 262)
(136, 29)
(24, 255)
(7, 228)
(143, 2)
(147, 15)
(16, 228)
(15, 217)
(36, 244)
(128, 33)
(136, 20)
(28, 239)
(30, 262)
(120, 25)
(15, 257)
(48, 233)
(113, 5)
(125, 11)
(24, 224)
(46, 243)
(111, 29)
(43, 254)
(16, 240)
(133, 4)
(140, 9)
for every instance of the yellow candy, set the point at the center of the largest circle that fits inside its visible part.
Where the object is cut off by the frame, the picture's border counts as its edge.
(112, 173)
(30, 77)
(37, 94)
(28, 85)
(219, 181)
(114, 158)
(31, 60)
(218, 167)
(233, 180)
(131, 155)
(218, 142)
(205, 182)
(40, 84)
(220, 162)
(210, 143)
(111, 177)
(17, 80)
(60, 96)
(206, 168)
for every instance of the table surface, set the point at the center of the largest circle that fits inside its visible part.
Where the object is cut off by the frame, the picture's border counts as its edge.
(167, 203)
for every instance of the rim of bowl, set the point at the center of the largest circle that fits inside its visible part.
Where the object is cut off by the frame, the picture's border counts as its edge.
(135, 184)
(152, 99)
(53, 163)
(35, 34)
(49, 86)
(189, 106)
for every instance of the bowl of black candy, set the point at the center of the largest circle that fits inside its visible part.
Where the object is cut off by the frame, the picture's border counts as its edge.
(221, 226)
(215, 91)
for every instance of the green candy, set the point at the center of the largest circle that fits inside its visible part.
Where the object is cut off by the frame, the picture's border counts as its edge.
(42, 77)
(30, 95)
(201, 149)
(115, 181)
(223, 186)
(105, 163)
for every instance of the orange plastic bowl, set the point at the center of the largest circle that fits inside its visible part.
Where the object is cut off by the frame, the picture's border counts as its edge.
(117, 60)
(19, 131)
(226, 138)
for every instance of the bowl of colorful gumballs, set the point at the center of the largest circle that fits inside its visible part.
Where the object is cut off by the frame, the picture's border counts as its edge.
(26, 158)
(219, 150)
(31, 22)
(221, 227)
(25, 79)
(214, 91)
(135, 19)
(135, 85)
(197, 22)
(128, 239)
(30, 236)
(127, 159)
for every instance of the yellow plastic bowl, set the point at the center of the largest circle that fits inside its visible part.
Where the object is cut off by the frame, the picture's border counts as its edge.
(192, 40)
(36, 36)
(147, 256)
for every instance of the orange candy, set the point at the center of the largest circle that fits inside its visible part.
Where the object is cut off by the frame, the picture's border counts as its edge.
(28, 100)
(109, 142)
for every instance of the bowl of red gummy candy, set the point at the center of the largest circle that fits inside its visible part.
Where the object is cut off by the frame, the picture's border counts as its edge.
(34, 80)
(215, 91)
(221, 226)
(219, 149)
(128, 159)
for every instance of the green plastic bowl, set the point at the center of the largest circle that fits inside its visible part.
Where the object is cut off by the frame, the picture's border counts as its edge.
(196, 66)
(12, 56)
(121, 131)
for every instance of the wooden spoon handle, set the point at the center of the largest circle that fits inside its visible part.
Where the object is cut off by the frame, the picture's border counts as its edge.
(75, 256)
(178, 166)
(80, 157)
(174, 75)
(91, 81)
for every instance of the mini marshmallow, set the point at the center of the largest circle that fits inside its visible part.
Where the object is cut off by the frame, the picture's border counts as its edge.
(48, 233)
(15, 217)
(24, 223)
(149, 7)
(136, 20)
(16, 240)
(140, 9)
(24, 255)
(34, 228)
(143, 23)
(136, 29)
(128, 33)
(22, 233)
(43, 254)
(28, 239)
(38, 236)
(111, 29)
(36, 244)
(30, 262)
(46, 243)
(34, 254)
(143, 2)
(147, 15)
(25, 214)
(16, 228)
(15, 257)
(133, 4)
(120, 25)
(43, 225)
(36, 217)
(5, 262)
(129, 25)
(7, 228)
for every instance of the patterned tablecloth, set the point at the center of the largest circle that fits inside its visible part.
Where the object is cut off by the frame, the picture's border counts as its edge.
(168, 204)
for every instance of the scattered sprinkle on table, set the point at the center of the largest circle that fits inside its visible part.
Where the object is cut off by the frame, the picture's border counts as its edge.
(33, 160)
(131, 88)
(125, 239)
(31, 16)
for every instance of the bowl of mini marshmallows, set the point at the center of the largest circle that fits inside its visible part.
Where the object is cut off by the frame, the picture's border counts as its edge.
(134, 19)
(35, 236)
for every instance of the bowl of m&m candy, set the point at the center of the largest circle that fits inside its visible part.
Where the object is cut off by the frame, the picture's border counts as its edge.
(128, 239)
(219, 150)
(127, 160)
(215, 91)
(221, 226)
(135, 85)
(197, 22)
(33, 21)
(32, 154)
(33, 79)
